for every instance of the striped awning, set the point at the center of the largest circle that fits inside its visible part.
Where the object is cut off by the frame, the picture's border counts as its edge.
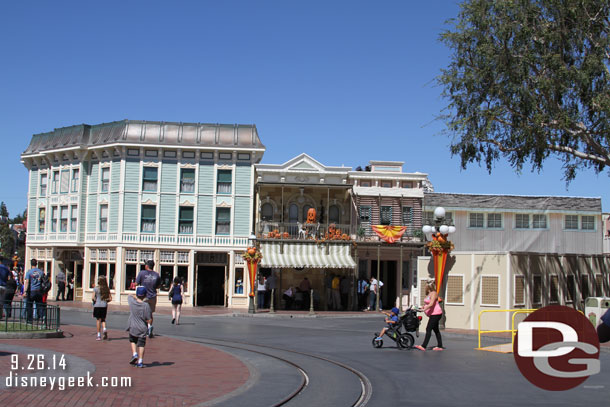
(306, 255)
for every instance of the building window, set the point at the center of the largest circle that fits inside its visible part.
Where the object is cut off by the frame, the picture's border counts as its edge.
(407, 184)
(385, 215)
(149, 218)
(267, 211)
(537, 294)
(239, 281)
(455, 289)
(75, 178)
(599, 287)
(65, 182)
(105, 186)
(169, 154)
(587, 222)
(554, 290)
(476, 220)
(365, 215)
(293, 213)
(206, 155)
(522, 221)
(407, 215)
(149, 179)
(386, 184)
(224, 182)
(73, 218)
(365, 183)
(490, 290)
(41, 219)
(243, 156)
(334, 216)
(55, 182)
(103, 218)
(185, 221)
(63, 219)
(223, 221)
(225, 156)
(519, 290)
(43, 184)
(584, 287)
(54, 216)
(187, 180)
(571, 289)
(188, 154)
(494, 220)
(571, 222)
(539, 221)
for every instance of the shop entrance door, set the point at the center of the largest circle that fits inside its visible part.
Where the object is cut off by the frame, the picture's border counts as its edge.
(210, 285)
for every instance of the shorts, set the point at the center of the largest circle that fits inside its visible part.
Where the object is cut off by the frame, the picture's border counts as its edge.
(178, 302)
(100, 312)
(140, 341)
(152, 303)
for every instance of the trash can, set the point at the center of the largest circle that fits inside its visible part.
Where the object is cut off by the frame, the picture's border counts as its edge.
(595, 307)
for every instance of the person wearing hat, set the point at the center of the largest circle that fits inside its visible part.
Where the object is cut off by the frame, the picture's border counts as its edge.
(140, 318)
(150, 280)
(391, 320)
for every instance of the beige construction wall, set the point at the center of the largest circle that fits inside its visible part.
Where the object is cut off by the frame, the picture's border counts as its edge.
(494, 281)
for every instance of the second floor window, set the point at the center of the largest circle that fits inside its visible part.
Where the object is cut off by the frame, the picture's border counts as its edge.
(407, 215)
(103, 218)
(571, 222)
(334, 214)
(267, 211)
(75, 178)
(185, 221)
(54, 216)
(187, 180)
(43, 184)
(105, 181)
(539, 221)
(365, 215)
(63, 219)
(386, 215)
(41, 219)
(476, 220)
(55, 182)
(522, 221)
(65, 182)
(73, 218)
(494, 220)
(223, 221)
(149, 179)
(149, 218)
(587, 223)
(224, 182)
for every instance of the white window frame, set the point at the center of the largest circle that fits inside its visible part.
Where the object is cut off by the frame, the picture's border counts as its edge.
(529, 223)
(105, 182)
(582, 223)
(73, 219)
(476, 215)
(494, 214)
(74, 187)
(481, 303)
(546, 221)
(565, 222)
(44, 176)
(105, 230)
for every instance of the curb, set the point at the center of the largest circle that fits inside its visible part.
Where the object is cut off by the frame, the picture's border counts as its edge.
(31, 335)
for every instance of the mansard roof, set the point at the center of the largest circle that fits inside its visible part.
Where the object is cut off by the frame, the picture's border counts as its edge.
(136, 132)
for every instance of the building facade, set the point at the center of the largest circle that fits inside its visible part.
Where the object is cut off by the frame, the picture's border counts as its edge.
(105, 198)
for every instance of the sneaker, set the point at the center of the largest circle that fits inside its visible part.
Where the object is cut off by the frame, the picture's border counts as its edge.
(105, 335)
(378, 338)
(438, 348)
(134, 359)
(140, 365)
(98, 338)
(420, 348)
(173, 320)
(150, 332)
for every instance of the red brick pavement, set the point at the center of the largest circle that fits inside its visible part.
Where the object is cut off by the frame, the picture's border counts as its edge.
(177, 373)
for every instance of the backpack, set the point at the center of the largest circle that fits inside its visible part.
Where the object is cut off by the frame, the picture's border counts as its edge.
(45, 283)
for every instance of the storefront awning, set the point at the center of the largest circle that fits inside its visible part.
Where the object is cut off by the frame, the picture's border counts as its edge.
(306, 255)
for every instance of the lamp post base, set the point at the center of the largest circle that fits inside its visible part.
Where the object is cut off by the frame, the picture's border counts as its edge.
(251, 309)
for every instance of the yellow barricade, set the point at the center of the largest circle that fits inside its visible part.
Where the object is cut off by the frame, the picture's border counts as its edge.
(513, 331)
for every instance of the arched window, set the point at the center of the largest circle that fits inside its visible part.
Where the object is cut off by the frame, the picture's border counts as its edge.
(267, 211)
(334, 214)
(293, 213)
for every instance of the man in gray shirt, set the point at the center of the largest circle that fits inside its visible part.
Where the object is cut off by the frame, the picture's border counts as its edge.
(137, 325)
(60, 279)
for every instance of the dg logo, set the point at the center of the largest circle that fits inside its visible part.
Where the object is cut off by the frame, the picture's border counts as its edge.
(556, 348)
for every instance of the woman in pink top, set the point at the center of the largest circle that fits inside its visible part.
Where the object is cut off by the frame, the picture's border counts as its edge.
(434, 312)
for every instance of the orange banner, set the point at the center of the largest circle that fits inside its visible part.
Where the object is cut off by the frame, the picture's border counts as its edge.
(389, 233)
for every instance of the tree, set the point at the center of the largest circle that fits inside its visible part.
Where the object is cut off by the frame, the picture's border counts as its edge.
(3, 211)
(528, 80)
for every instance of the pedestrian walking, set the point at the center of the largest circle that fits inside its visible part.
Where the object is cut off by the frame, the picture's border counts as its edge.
(150, 279)
(11, 288)
(32, 289)
(4, 272)
(363, 289)
(140, 319)
(101, 298)
(60, 279)
(175, 295)
(434, 312)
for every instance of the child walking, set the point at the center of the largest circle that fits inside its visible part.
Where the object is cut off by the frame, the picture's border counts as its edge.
(101, 297)
(176, 297)
(137, 325)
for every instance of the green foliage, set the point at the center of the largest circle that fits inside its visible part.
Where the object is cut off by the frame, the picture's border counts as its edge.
(529, 79)
(7, 240)
(3, 210)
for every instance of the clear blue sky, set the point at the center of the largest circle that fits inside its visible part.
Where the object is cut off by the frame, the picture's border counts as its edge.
(344, 81)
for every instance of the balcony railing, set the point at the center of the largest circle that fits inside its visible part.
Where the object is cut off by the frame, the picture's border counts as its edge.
(169, 239)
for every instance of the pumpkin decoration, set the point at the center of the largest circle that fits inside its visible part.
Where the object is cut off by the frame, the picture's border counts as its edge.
(286, 235)
(311, 215)
(344, 236)
(252, 251)
(332, 228)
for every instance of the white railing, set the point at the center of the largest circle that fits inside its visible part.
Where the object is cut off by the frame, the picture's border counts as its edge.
(149, 238)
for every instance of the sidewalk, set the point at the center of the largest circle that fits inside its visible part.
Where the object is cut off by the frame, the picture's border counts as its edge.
(176, 373)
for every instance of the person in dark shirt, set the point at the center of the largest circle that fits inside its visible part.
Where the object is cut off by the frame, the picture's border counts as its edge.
(151, 280)
(4, 272)
(11, 288)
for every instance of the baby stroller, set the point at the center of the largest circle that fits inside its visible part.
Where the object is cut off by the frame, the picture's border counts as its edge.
(410, 321)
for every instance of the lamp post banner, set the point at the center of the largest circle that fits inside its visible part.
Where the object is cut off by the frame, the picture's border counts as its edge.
(252, 265)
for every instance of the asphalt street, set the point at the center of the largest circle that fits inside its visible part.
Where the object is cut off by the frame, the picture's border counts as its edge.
(331, 362)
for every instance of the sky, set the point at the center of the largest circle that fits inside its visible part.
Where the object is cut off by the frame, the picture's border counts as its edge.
(343, 81)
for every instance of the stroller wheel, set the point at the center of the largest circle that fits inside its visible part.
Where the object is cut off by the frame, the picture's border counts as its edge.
(377, 343)
(405, 341)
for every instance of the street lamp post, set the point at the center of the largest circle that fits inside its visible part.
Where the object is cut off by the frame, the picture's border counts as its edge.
(439, 246)
(252, 256)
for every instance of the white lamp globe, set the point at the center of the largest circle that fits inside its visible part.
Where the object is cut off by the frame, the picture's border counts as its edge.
(432, 229)
(444, 229)
(451, 229)
(439, 212)
(427, 229)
